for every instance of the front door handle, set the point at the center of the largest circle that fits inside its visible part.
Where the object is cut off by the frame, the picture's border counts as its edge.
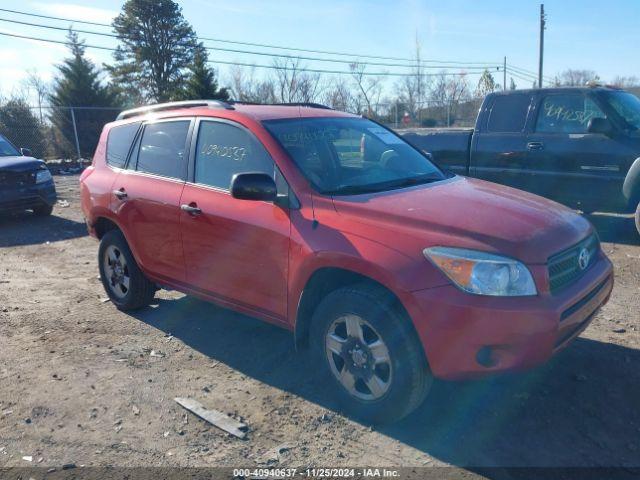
(535, 146)
(120, 194)
(191, 209)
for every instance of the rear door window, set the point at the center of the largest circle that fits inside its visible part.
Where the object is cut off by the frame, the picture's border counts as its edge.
(119, 143)
(567, 113)
(162, 149)
(508, 113)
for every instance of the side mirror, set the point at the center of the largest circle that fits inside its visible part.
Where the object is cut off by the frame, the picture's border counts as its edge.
(253, 186)
(26, 152)
(600, 125)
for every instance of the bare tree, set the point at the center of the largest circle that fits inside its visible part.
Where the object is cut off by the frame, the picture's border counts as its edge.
(338, 95)
(35, 83)
(626, 82)
(448, 91)
(414, 88)
(369, 88)
(575, 78)
(246, 88)
(293, 83)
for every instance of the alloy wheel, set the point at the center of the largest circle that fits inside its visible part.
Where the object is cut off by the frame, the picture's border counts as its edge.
(358, 357)
(116, 271)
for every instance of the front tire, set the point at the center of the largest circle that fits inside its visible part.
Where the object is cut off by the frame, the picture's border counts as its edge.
(124, 282)
(370, 354)
(43, 210)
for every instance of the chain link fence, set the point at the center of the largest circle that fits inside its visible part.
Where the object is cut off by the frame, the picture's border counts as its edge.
(428, 114)
(59, 135)
(67, 136)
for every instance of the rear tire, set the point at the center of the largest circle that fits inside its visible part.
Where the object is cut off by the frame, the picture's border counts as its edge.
(124, 282)
(43, 210)
(638, 218)
(369, 353)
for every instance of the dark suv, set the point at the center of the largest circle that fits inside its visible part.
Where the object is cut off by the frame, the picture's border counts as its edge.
(25, 182)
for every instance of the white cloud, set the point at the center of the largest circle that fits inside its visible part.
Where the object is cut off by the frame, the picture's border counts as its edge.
(77, 12)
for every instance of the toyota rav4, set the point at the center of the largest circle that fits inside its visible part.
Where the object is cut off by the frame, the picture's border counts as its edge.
(389, 270)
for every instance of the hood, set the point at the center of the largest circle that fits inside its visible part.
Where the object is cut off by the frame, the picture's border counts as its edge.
(469, 213)
(19, 163)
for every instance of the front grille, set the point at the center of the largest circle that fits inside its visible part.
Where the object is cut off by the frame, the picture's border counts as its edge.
(564, 267)
(16, 179)
(583, 301)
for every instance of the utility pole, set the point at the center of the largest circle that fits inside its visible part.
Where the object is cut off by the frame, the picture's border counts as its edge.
(504, 74)
(543, 22)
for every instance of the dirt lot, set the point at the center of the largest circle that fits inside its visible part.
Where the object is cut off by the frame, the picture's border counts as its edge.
(79, 383)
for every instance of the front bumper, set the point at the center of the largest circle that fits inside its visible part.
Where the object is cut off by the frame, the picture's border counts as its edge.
(466, 336)
(25, 197)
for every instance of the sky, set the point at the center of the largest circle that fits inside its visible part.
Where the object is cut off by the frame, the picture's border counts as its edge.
(580, 34)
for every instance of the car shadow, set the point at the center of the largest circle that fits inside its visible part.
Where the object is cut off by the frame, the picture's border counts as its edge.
(580, 409)
(29, 229)
(615, 228)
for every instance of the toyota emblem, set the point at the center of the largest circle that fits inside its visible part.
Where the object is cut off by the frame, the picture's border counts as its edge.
(583, 258)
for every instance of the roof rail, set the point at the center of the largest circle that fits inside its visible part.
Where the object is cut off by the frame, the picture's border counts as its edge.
(162, 107)
(294, 104)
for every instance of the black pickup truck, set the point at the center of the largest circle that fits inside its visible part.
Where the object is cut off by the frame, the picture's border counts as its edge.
(579, 146)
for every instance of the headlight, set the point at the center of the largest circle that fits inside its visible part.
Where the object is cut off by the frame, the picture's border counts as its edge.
(43, 176)
(483, 273)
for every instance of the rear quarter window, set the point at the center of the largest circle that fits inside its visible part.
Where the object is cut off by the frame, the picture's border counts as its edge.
(508, 114)
(119, 143)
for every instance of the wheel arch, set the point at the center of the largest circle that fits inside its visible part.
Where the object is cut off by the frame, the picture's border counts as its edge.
(102, 225)
(325, 280)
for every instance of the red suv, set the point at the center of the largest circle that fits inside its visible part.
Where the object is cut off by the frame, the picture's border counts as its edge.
(391, 270)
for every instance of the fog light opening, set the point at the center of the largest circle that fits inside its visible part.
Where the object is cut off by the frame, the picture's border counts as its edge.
(485, 357)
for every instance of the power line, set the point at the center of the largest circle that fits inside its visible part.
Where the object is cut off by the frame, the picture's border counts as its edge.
(54, 18)
(342, 72)
(523, 78)
(263, 45)
(529, 73)
(521, 74)
(48, 40)
(338, 72)
(232, 50)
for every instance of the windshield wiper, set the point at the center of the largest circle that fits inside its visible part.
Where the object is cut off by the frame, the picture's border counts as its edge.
(382, 186)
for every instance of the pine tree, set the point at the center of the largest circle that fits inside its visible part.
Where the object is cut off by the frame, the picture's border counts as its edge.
(512, 84)
(157, 46)
(486, 84)
(19, 124)
(77, 84)
(201, 82)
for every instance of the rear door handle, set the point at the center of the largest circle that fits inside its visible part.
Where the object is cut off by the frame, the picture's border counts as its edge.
(535, 146)
(191, 209)
(120, 194)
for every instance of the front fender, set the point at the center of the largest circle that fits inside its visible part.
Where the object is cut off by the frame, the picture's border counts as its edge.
(397, 272)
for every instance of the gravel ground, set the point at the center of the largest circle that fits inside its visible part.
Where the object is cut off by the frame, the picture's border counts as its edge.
(82, 383)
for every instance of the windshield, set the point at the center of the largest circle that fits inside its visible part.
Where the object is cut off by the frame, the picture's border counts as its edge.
(342, 156)
(627, 106)
(6, 149)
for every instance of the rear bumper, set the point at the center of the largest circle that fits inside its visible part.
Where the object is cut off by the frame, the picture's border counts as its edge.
(466, 336)
(23, 198)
